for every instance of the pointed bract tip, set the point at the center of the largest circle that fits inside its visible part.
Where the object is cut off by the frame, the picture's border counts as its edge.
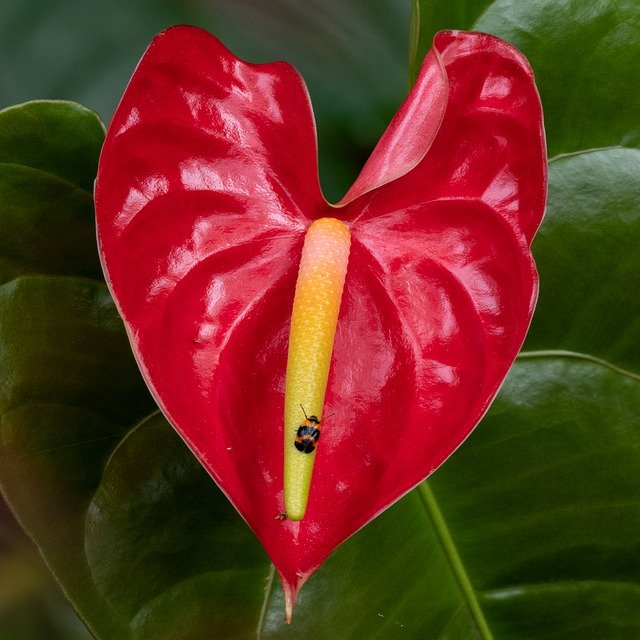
(288, 611)
(291, 589)
(290, 597)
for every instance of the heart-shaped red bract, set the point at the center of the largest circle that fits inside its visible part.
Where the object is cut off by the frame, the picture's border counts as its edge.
(206, 186)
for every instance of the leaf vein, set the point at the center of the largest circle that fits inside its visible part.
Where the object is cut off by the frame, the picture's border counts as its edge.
(267, 592)
(455, 561)
(562, 353)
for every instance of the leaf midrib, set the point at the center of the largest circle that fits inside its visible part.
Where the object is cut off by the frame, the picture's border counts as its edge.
(563, 155)
(265, 602)
(564, 353)
(453, 557)
(560, 584)
(432, 508)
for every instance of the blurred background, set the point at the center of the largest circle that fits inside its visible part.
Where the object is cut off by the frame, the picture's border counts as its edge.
(353, 56)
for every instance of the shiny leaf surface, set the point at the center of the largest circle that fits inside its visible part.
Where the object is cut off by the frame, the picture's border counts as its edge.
(564, 433)
(207, 182)
(521, 554)
(55, 137)
(593, 212)
(202, 558)
(586, 248)
(48, 158)
(584, 56)
(48, 333)
(75, 375)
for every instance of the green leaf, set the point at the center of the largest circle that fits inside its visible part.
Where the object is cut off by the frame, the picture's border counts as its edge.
(187, 566)
(70, 389)
(587, 255)
(507, 540)
(55, 137)
(48, 158)
(584, 55)
(527, 497)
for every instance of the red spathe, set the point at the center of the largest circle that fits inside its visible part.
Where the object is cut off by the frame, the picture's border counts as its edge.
(206, 186)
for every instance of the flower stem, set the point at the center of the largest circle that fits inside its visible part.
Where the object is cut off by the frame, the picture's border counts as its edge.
(323, 266)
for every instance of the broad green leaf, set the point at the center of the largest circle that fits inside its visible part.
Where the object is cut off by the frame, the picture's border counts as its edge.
(47, 225)
(69, 389)
(537, 518)
(191, 568)
(48, 158)
(542, 502)
(186, 565)
(588, 257)
(48, 155)
(587, 247)
(59, 138)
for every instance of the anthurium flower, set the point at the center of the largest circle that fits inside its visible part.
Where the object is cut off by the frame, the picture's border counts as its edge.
(206, 189)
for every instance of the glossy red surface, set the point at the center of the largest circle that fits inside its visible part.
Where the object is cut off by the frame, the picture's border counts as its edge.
(207, 183)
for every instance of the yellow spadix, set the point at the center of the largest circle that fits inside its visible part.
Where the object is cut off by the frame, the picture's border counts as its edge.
(323, 266)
